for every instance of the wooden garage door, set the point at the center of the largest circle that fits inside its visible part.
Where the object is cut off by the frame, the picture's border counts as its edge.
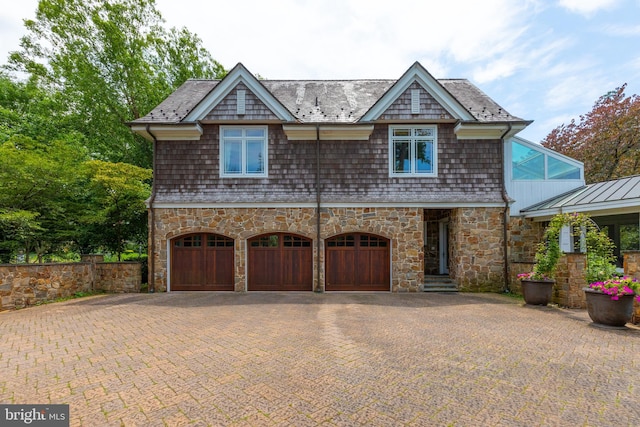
(280, 262)
(202, 262)
(357, 262)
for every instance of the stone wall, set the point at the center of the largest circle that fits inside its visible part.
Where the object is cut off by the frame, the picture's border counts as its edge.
(524, 236)
(23, 285)
(477, 248)
(403, 226)
(118, 277)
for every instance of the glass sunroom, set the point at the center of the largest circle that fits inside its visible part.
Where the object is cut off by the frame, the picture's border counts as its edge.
(534, 173)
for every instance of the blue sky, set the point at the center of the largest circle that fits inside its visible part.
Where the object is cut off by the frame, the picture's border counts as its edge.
(542, 60)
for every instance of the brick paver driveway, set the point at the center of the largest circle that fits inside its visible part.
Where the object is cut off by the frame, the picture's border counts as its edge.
(319, 359)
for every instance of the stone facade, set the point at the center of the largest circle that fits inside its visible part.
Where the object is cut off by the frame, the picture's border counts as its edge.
(23, 285)
(477, 249)
(403, 226)
(524, 236)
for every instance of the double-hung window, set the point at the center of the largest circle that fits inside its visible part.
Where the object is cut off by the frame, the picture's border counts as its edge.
(243, 151)
(413, 150)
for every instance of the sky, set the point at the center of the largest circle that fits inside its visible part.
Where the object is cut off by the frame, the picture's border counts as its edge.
(541, 60)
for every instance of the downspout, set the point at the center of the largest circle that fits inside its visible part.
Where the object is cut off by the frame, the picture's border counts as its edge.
(318, 245)
(151, 257)
(505, 213)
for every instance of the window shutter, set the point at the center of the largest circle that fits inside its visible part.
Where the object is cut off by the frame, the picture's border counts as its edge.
(240, 103)
(415, 101)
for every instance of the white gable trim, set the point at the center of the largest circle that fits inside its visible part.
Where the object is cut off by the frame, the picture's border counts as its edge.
(418, 74)
(238, 74)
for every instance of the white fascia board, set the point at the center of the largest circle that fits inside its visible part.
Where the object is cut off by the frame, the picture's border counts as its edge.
(170, 132)
(328, 132)
(464, 130)
(417, 73)
(222, 89)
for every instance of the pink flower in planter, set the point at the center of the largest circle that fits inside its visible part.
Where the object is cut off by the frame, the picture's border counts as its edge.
(618, 286)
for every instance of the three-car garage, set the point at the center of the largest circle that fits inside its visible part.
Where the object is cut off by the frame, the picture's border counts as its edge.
(280, 262)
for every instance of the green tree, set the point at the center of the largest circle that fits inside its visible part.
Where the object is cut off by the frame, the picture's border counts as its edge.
(41, 185)
(18, 231)
(118, 212)
(113, 61)
(28, 109)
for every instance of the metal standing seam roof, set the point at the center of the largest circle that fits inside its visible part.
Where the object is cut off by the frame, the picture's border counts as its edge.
(338, 101)
(608, 193)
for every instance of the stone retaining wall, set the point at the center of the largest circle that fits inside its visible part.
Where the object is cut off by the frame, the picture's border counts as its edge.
(23, 285)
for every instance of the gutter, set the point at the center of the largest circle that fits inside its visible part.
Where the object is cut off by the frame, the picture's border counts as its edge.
(318, 200)
(151, 253)
(505, 214)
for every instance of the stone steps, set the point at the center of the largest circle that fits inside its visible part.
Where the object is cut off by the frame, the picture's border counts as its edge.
(439, 283)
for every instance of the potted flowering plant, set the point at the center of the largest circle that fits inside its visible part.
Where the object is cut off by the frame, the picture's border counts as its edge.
(610, 302)
(537, 285)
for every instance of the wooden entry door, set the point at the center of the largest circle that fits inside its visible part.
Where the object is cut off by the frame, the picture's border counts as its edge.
(202, 262)
(357, 262)
(280, 262)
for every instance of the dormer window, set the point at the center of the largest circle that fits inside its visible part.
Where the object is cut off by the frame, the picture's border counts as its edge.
(413, 150)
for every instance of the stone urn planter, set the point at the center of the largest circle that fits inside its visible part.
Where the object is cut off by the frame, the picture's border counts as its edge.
(604, 310)
(537, 292)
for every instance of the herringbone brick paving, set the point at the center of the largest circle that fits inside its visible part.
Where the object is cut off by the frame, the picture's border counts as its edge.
(303, 359)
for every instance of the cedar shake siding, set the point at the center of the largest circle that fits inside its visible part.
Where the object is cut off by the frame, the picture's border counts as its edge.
(255, 110)
(400, 109)
(351, 172)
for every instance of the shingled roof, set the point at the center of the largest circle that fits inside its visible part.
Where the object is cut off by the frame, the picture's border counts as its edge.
(326, 101)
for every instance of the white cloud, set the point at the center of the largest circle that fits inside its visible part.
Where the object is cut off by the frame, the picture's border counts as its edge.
(622, 30)
(351, 39)
(587, 7)
(574, 90)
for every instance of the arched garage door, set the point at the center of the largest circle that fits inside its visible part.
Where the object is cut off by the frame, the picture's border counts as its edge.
(280, 262)
(357, 262)
(202, 262)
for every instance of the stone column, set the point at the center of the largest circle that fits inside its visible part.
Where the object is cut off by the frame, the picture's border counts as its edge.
(570, 279)
(631, 265)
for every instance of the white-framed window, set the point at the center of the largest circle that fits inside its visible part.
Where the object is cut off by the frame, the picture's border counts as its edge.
(243, 151)
(413, 150)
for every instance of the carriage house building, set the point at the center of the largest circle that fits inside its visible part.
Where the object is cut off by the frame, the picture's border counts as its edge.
(336, 185)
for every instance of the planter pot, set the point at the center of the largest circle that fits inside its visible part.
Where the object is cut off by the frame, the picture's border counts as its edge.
(605, 311)
(537, 292)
